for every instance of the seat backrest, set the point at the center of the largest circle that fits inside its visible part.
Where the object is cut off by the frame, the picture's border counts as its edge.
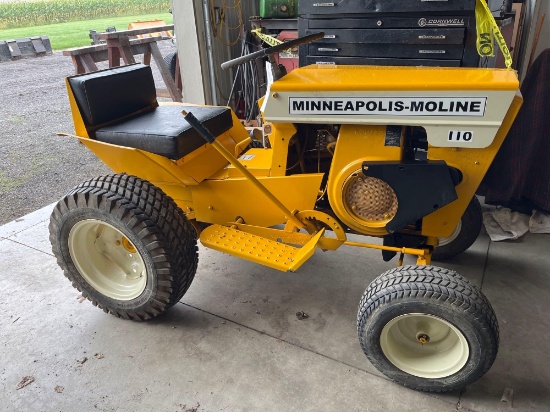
(107, 95)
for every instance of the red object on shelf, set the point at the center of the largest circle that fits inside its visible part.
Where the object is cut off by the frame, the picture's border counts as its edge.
(290, 61)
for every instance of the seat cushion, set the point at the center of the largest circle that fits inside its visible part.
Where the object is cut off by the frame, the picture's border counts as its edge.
(107, 95)
(164, 131)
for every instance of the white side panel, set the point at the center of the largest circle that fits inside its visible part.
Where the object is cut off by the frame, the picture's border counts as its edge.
(451, 118)
(189, 43)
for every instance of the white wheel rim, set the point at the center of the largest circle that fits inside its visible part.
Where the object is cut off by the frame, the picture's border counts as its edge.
(446, 240)
(444, 352)
(107, 260)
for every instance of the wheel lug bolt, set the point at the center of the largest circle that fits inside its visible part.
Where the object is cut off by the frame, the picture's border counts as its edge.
(422, 338)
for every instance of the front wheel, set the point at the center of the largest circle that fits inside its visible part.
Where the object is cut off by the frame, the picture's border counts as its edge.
(427, 328)
(125, 245)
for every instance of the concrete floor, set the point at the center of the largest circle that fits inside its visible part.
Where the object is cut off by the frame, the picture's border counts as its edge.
(234, 343)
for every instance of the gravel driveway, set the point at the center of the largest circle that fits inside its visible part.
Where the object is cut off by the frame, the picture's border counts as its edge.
(36, 166)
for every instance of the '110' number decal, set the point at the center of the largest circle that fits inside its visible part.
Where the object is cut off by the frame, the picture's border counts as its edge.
(460, 136)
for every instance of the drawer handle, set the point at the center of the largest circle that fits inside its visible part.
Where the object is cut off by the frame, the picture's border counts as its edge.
(432, 51)
(423, 1)
(332, 4)
(327, 49)
(329, 36)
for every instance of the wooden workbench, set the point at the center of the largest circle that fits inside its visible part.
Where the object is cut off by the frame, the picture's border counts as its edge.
(120, 45)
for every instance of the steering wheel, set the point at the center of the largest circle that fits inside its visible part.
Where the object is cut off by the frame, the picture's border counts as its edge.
(270, 50)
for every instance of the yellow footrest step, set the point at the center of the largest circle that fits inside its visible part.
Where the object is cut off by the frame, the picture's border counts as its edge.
(258, 249)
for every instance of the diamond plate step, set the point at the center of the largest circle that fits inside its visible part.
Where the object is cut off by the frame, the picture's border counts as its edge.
(258, 249)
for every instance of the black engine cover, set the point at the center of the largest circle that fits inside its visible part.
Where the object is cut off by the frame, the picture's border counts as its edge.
(421, 187)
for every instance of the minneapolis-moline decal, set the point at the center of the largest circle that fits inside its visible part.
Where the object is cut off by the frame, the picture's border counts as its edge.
(393, 106)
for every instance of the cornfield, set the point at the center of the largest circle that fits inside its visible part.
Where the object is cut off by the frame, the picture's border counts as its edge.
(36, 13)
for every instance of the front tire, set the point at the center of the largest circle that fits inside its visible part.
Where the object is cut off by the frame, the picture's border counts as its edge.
(427, 328)
(125, 245)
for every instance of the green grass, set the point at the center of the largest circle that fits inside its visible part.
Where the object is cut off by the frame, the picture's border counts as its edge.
(74, 34)
(15, 14)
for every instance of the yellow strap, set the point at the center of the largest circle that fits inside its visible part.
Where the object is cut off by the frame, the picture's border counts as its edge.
(272, 41)
(487, 31)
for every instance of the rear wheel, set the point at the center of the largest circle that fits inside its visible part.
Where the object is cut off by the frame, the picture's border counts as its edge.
(465, 233)
(427, 328)
(125, 245)
(170, 61)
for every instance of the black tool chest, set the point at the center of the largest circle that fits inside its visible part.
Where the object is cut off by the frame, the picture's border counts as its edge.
(389, 32)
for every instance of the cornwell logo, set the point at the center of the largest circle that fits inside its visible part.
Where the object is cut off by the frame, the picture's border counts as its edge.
(393, 106)
(427, 37)
(423, 22)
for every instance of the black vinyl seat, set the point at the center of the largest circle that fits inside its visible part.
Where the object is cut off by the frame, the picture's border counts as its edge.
(119, 106)
(164, 131)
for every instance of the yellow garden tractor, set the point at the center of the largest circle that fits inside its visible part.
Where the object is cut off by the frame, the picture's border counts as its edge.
(391, 152)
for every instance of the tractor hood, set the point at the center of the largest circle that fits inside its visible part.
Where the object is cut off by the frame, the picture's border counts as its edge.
(442, 100)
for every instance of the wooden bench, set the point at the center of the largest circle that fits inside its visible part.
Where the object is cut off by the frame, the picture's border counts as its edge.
(119, 45)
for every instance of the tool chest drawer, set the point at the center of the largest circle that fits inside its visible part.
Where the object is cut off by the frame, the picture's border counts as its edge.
(392, 36)
(368, 61)
(405, 51)
(387, 22)
(342, 7)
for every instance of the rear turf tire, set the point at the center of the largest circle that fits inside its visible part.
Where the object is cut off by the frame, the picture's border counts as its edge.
(464, 235)
(125, 245)
(170, 61)
(427, 328)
